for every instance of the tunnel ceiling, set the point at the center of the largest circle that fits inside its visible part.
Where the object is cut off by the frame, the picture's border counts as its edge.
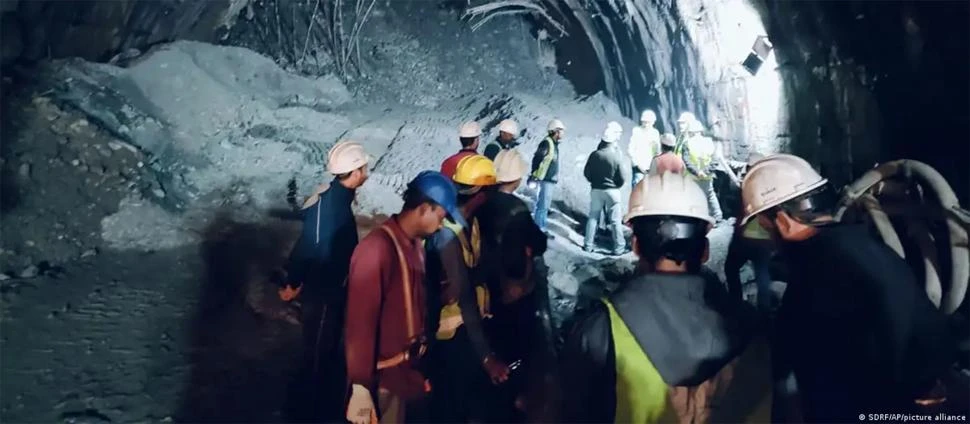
(862, 81)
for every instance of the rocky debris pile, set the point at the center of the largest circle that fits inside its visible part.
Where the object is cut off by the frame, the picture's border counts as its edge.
(65, 174)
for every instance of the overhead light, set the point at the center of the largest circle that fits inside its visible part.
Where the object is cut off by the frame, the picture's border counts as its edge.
(758, 54)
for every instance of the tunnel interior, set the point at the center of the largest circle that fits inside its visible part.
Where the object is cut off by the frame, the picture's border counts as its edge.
(151, 150)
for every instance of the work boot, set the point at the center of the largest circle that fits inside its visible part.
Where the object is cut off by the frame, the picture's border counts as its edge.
(620, 252)
(588, 249)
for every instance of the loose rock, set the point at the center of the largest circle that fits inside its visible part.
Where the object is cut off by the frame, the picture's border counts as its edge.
(24, 171)
(29, 272)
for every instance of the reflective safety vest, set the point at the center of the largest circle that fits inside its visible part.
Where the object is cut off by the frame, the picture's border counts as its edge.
(700, 153)
(471, 251)
(754, 231)
(641, 393)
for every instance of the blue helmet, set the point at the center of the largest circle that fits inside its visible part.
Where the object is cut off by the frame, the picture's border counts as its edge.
(439, 189)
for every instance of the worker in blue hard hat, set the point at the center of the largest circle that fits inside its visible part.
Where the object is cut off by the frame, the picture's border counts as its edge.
(386, 313)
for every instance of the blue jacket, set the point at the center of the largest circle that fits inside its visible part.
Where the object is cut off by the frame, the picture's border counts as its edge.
(321, 257)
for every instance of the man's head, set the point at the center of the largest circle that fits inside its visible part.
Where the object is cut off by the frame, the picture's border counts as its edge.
(508, 130)
(428, 199)
(510, 169)
(613, 132)
(347, 161)
(668, 142)
(648, 118)
(683, 122)
(670, 221)
(473, 173)
(695, 128)
(469, 134)
(787, 197)
(556, 129)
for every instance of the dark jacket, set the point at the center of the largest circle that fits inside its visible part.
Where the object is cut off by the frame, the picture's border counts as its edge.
(545, 163)
(321, 257)
(856, 328)
(492, 149)
(507, 226)
(687, 325)
(607, 167)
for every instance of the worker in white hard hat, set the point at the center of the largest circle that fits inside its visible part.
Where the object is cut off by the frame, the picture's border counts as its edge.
(669, 344)
(855, 327)
(683, 128)
(607, 170)
(545, 171)
(470, 135)
(667, 160)
(317, 267)
(510, 168)
(508, 131)
(699, 154)
(644, 144)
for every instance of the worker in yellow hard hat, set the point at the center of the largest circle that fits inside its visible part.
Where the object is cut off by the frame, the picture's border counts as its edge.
(670, 344)
(855, 327)
(463, 365)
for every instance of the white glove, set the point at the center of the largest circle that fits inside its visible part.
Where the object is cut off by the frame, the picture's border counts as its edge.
(360, 409)
(533, 185)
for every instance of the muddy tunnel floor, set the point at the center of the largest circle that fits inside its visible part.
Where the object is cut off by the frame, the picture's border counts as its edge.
(121, 337)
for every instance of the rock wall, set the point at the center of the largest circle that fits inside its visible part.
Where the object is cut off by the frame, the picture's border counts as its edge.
(876, 81)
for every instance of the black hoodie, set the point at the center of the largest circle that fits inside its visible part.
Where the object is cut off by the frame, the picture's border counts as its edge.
(688, 326)
(856, 328)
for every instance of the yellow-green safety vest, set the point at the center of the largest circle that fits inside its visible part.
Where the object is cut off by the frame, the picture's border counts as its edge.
(471, 250)
(754, 231)
(641, 393)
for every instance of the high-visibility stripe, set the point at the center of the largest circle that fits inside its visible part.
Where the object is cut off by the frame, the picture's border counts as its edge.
(540, 172)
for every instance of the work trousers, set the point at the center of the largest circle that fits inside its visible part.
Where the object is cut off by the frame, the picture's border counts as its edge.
(605, 203)
(638, 175)
(742, 250)
(461, 391)
(712, 203)
(543, 203)
(321, 387)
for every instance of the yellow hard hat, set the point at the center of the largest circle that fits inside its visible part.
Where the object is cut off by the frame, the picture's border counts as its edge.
(669, 194)
(774, 180)
(475, 170)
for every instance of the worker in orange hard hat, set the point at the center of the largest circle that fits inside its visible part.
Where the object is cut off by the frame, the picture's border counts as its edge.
(855, 329)
(316, 271)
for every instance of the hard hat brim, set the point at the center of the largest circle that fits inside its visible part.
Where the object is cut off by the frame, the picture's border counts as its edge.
(808, 189)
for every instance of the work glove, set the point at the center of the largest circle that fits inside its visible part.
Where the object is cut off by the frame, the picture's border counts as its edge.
(533, 184)
(360, 409)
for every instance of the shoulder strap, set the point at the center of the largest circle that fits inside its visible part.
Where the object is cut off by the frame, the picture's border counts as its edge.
(406, 280)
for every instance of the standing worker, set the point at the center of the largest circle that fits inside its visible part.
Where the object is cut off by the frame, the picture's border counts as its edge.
(384, 329)
(607, 171)
(644, 145)
(316, 270)
(545, 171)
(469, 134)
(683, 127)
(669, 345)
(667, 160)
(510, 169)
(698, 153)
(462, 359)
(508, 130)
(750, 242)
(856, 329)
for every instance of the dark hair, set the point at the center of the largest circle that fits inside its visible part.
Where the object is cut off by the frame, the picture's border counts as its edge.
(665, 148)
(467, 141)
(345, 175)
(680, 239)
(414, 198)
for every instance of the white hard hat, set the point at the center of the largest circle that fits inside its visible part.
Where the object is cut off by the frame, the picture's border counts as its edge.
(612, 132)
(469, 129)
(686, 117)
(508, 126)
(648, 116)
(668, 140)
(345, 157)
(555, 124)
(510, 166)
(668, 194)
(695, 126)
(774, 180)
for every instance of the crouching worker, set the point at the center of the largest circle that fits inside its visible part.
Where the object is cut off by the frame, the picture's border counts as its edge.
(316, 271)
(513, 245)
(463, 365)
(668, 345)
(384, 328)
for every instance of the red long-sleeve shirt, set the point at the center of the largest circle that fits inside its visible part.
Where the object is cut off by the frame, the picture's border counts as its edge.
(376, 324)
(450, 164)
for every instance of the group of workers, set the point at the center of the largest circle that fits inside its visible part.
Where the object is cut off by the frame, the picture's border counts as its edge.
(431, 317)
